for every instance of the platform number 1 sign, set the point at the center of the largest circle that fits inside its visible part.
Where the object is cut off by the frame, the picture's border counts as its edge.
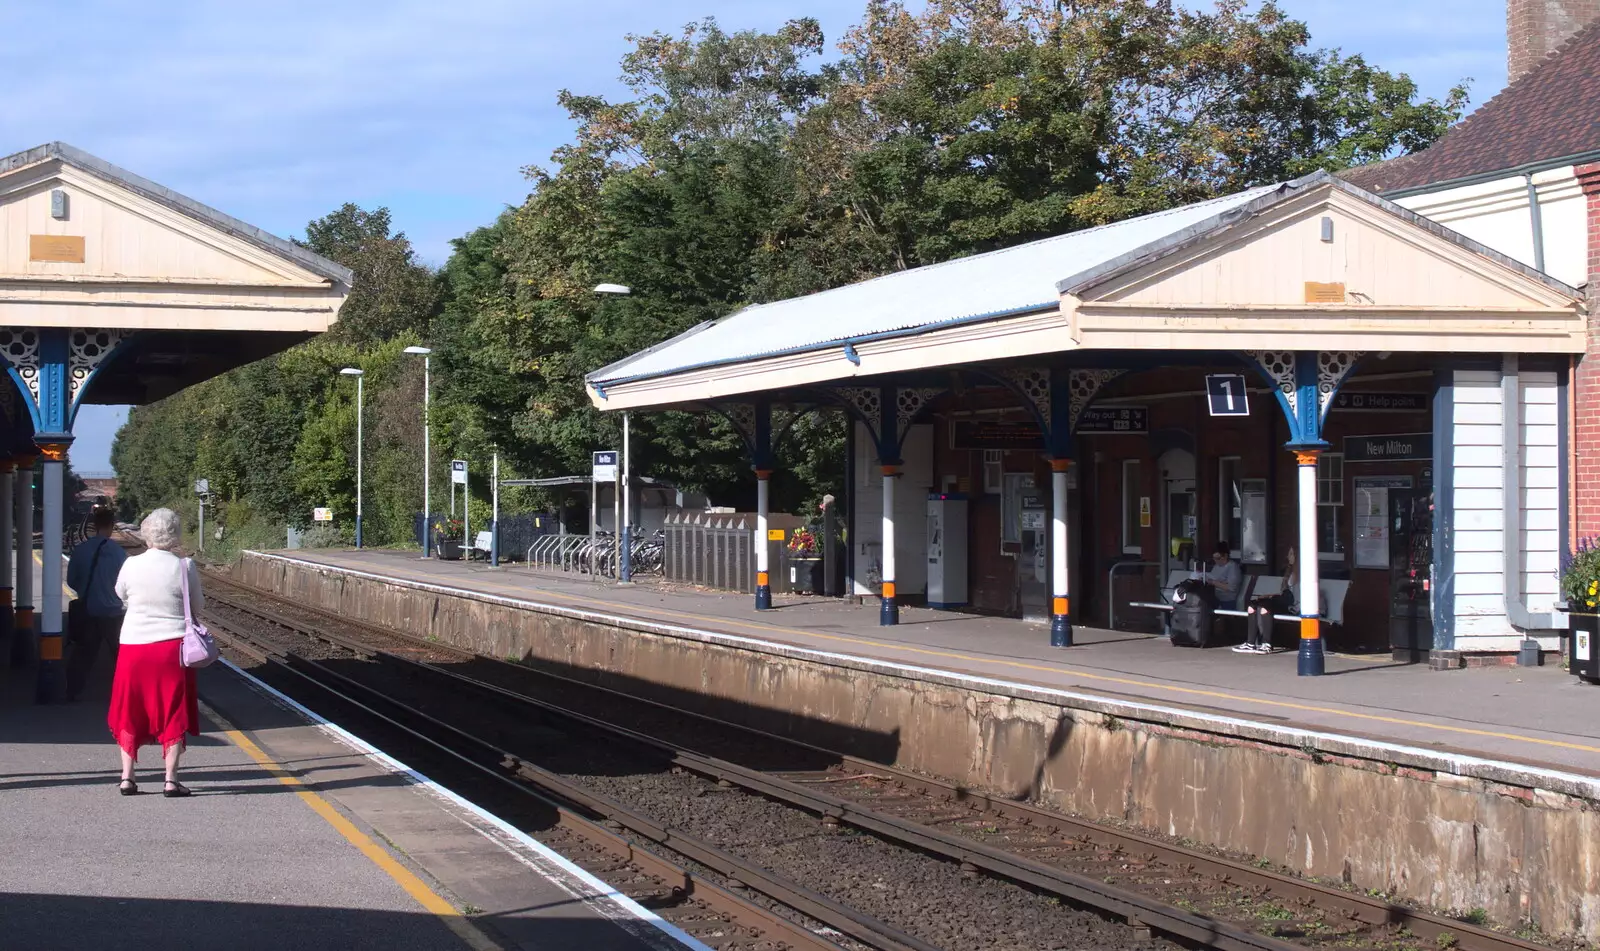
(1226, 395)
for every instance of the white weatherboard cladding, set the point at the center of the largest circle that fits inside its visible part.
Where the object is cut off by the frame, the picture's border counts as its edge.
(910, 513)
(1540, 544)
(1005, 281)
(1478, 491)
(1478, 484)
(1496, 215)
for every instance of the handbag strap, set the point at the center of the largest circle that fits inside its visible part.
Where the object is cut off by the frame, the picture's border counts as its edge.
(188, 618)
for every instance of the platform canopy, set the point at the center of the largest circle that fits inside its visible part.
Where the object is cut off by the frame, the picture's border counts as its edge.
(1314, 264)
(154, 290)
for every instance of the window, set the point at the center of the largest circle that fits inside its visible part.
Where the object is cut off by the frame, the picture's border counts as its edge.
(1133, 511)
(1330, 502)
(991, 471)
(1230, 504)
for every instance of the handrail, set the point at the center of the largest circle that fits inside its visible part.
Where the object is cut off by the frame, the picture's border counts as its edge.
(1111, 589)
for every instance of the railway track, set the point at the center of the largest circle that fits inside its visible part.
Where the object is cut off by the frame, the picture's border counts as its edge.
(1196, 898)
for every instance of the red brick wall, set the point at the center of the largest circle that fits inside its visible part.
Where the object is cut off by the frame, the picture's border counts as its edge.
(1586, 424)
(1534, 28)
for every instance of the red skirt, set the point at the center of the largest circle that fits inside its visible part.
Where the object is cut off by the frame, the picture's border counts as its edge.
(153, 697)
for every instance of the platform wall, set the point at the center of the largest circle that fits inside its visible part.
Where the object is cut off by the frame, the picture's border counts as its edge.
(1456, 834)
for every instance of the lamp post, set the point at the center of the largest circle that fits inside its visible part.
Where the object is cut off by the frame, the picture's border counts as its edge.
(427, 499)
(624, 530)
(352, 371)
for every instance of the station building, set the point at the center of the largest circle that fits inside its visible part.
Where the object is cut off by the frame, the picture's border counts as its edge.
(1057, 430)
(116, 290)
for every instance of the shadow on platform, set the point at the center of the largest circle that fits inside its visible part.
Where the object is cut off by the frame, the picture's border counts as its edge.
(71, 922)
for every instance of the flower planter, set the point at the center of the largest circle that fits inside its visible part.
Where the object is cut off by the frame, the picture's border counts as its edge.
(1583, 647)
(805, 574)
(450, 551)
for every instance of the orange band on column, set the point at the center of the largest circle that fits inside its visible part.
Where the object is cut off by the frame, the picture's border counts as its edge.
(1306, 457)
(5, 597)
(50, 647)
(763, 474)
(1060, 465)
(1059, 606)
(761, 579)
(1310, 628)
(891, 470)
(24, 619)
(54, 451)
(888, 589)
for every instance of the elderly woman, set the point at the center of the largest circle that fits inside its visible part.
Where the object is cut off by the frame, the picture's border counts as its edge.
(153, 697)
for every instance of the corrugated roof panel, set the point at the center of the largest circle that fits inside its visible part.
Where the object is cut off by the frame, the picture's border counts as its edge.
(1011, 280)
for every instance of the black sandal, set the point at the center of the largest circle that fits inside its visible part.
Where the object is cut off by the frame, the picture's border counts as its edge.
(128, 787)
(175, 790)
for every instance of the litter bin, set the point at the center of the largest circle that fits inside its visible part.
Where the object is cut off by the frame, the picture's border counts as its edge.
(1583, 647)
(1193, 604)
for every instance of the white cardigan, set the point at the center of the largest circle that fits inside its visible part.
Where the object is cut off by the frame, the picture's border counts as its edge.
(151, 587)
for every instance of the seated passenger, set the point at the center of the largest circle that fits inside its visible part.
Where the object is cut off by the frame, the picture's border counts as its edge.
(1225, 576)
(1258, 615)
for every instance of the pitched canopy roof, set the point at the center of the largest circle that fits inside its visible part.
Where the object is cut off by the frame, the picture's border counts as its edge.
(100, 168)
(1015, 280)
(1545, 116)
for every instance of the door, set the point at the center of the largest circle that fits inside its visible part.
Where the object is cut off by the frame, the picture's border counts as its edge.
(1180, 512)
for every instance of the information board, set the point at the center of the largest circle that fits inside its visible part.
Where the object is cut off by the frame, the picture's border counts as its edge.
(1225, 394)
(605, 466)
(458, 471)
(1114, 419)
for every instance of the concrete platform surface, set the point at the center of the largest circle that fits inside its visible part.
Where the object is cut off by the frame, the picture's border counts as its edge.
(1540, 717)
(279, 848)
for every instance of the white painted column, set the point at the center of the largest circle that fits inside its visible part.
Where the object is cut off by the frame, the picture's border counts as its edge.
(889, 608)
(1310, 591)
(23, 489)
(7, 549)
(1060, 612)
(763, 578)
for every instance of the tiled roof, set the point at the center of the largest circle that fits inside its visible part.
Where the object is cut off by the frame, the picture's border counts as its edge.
(1550, 113)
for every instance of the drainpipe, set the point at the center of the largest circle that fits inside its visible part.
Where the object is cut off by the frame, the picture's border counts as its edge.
(1511, 504)
(1537, 221)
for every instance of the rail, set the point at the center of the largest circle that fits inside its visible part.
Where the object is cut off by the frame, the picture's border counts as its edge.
(1433, 929)
(1111, 589)
(567, 798)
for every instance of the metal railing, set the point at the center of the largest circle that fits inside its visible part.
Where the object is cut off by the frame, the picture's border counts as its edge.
(596, 556)
(1111, 588)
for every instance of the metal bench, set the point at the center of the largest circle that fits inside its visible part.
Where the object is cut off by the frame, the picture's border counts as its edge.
(1255, 586)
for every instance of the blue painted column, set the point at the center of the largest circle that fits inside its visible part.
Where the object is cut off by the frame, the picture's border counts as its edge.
(52, 435)
(1307, 444)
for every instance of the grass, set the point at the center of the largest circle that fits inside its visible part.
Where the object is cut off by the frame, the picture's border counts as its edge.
(1274, 912)
(1477, 916)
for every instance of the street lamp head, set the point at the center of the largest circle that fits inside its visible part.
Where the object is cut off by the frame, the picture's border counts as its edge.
(419, 351)
(612, 289)
(351, 371)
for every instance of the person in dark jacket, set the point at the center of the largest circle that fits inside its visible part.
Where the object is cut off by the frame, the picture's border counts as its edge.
(92, 575)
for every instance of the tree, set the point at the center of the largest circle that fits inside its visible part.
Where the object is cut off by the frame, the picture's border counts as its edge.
(391, 292)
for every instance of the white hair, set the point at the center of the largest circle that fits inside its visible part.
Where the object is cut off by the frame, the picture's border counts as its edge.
(161, 529)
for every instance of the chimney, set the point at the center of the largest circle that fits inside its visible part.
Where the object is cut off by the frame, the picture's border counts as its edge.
(1534, 28)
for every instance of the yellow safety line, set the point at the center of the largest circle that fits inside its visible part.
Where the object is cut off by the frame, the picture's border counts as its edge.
(1088, 675)
(404, 877)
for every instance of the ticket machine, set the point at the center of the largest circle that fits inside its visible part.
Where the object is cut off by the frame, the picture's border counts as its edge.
(1033, 563)
(947, 550)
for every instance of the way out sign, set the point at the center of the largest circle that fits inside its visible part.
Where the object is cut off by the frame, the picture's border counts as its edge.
(1225, 394)
(605, 466)
(458, 471)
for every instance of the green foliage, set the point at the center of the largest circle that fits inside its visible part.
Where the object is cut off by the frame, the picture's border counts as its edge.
(746, 167)
(1580, 577)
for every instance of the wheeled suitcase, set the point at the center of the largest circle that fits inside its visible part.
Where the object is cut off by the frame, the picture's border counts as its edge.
(1192, 605)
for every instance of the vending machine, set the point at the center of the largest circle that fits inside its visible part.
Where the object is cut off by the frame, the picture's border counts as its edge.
(947, 550)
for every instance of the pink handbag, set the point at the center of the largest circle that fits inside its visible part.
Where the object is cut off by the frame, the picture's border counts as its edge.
(199, 649)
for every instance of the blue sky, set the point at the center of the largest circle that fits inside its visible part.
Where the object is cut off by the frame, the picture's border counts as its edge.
(277, 113)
